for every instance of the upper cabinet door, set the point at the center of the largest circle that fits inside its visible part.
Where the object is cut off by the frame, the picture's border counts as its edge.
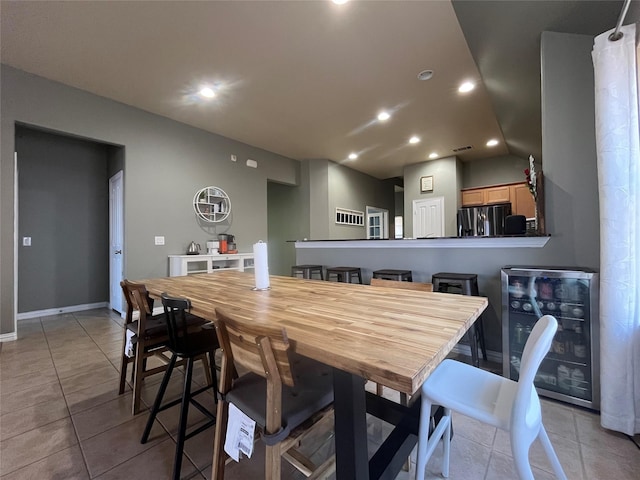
(522, 201)
(497, 195)
(473, 197)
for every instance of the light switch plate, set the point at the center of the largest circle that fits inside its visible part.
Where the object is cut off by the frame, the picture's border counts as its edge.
(159, 240)
(26, 241)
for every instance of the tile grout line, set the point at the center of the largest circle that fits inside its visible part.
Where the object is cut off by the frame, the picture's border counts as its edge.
(75, 431)
(580, 450)
(69, 416)
(170, 437)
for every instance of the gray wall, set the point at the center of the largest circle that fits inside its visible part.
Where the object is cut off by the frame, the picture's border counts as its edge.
(165, 163)
(316, 174)
(355, 191)
(569, 146)
(570, 182)
(115, 159)
(64, 208)
(493, 171)
(286, 223)
(399, 203)
(445, 184)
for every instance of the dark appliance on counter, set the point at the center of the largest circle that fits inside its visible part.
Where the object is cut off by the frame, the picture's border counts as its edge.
(515, 225)
(231, 244)
(483, 221)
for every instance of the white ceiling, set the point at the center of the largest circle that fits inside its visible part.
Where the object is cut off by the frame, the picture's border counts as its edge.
(306, 79)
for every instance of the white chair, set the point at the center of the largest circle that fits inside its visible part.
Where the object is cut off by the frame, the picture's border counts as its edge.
(489, 398)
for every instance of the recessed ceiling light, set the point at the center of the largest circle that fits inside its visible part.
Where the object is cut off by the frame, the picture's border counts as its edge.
(492, 143)
(414, 139)
(339, 2)
(384, 116)
(207, 92)
(425, 75)
(353, 156)
(433, 155)
(466, 87)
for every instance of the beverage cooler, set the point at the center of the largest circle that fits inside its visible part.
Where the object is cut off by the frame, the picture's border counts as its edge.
(570, 371)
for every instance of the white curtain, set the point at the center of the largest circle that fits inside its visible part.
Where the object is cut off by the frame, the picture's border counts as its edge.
(617, 141)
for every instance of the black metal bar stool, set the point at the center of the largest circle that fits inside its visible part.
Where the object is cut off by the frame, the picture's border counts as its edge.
(307, 271)
(345, 274)
(389, 274)
(189, 346)
(465, 284)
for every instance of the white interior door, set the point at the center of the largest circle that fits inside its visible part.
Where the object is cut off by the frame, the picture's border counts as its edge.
(116, 240)
(377, 223)
(428, 218)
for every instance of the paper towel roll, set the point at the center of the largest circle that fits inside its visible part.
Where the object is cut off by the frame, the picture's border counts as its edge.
(261, 265)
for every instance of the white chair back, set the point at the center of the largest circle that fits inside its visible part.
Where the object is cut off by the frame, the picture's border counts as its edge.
(492, 399)
(526, 408)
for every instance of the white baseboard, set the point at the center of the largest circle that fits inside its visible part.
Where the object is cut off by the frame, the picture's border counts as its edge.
(8, 337)
(58, 311)
(492, 356)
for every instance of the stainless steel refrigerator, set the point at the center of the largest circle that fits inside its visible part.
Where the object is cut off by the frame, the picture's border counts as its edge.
(482, 221)
(570, 371)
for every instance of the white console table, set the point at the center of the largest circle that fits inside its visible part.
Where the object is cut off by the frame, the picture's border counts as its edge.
(180, 265)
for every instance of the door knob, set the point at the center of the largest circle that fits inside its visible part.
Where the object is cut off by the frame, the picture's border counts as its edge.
(118, 252)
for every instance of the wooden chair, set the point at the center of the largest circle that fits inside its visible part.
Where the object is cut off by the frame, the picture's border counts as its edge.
(149, 339)
(286, 394)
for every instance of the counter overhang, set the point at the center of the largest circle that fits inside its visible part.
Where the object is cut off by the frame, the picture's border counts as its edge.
(446, 242)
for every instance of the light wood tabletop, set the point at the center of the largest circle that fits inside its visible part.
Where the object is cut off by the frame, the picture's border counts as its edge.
(391, 336)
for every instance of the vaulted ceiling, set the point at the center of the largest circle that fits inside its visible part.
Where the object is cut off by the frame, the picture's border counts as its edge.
(308, 79)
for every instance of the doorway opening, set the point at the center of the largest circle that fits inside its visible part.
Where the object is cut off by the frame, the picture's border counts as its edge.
(377, 223)
(62, 231)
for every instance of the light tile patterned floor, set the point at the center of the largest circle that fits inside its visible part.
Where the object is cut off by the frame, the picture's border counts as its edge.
(62, 418)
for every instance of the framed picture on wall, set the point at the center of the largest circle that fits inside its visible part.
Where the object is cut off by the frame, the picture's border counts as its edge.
(426, 184)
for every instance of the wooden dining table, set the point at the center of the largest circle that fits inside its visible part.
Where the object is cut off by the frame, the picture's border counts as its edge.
(390, 336)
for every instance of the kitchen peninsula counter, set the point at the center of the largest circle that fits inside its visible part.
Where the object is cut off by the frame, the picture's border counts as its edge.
(506, 241)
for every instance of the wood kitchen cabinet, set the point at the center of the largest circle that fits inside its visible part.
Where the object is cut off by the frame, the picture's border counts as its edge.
(473, 197)
(499, 194)
(485, 196)
(515, 193)
(522, 201)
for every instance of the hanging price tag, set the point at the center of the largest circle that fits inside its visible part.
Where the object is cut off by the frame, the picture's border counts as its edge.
(240, 433)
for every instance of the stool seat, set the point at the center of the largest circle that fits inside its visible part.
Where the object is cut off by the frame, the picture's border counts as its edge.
(465, 284)
(390, 274)
(307, 271)
(345, 274)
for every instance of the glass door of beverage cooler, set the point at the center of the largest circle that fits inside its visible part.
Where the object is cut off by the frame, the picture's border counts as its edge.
(569, 372)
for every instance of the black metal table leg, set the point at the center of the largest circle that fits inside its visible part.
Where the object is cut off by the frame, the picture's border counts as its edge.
(352, 460)
(472, 335)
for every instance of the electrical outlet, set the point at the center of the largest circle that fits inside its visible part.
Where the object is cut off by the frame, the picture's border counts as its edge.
(159, 240)
(26, 241)
(252, 163)
(234, 158)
